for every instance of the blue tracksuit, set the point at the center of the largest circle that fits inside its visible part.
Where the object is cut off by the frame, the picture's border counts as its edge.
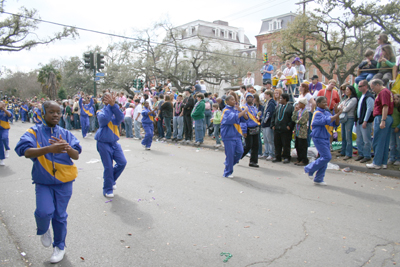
(321, 132)
(23, 112)
(4, 128)
(52, 175)
(110, 117)
(148, 126)
(86, 111)
(231, 135)
(37, 116)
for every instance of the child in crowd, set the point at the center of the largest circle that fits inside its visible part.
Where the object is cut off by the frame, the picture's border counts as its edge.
(394, 147)
(5, 116)
(322, 127)
(51, 149)
(148, 125)
(300, 117)
(368, 63)
(216, 120)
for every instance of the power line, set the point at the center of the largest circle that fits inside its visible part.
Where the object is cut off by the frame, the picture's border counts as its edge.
(260, 10)
(247, 9)
(122, 36)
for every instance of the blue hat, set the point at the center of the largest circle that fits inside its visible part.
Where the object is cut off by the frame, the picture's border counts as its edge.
(249, 94)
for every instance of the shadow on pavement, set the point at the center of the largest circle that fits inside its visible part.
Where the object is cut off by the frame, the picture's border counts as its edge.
(259, 186)
(6, 171)
(363, 195)
(130, 213)
(64, 263)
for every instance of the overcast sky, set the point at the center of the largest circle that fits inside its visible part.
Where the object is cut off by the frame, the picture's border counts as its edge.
(122, 17)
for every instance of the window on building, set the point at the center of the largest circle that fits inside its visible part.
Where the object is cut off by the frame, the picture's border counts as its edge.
(307, 46)
(323, 79)
(244, 54)
(253, 54)
(316, 47)
(264, 48)
(315, 71)
(351, 79)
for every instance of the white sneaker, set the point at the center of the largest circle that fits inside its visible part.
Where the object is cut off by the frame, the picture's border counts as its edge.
(309, 176)
(2, 162)
(269, 158)
(46, 238)
(320, 183)
(397, 162)
(135, 138)
(373, 166)
(115, 187)
(90, 133)
(58, 255)
(147, 148)
(109, 195)
(218, 145)
(143, 146)
(384, 166)
(7, 154)
(390, 162)
(248, 155)
(229, 176)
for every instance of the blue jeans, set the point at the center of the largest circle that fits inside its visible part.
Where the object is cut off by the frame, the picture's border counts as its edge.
(128, 127)
(136, 126)
(92, 123)
(347, 138)
(168, 126)
(160, 128)
(216, 133)
(364, 142)
(76, 121)
(68, 122)
(268, 135)
(207, 118)
(394, 145)
(16, 117)
(199, 130)
(365, 75)
(178, 127)
(381, 140)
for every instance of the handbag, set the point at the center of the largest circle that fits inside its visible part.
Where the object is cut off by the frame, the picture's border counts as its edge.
(343, 117)
(253, 131)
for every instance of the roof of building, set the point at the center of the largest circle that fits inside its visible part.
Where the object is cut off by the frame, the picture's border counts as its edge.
(218, 29)
(276, 23)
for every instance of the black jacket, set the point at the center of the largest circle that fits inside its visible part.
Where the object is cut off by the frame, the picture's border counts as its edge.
(188, 104)
(281, 121)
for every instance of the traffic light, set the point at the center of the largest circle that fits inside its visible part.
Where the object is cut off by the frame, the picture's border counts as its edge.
(100, 62)
(134, 83)
(89, 60)
(140, 86)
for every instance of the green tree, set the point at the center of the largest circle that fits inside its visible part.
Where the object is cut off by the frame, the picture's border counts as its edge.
(50, 79)
(62, 93)
(384, 15)
(17, 32)
(341, 41)
(20, 84)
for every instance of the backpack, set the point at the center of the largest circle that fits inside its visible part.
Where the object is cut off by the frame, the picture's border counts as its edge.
(208, 105)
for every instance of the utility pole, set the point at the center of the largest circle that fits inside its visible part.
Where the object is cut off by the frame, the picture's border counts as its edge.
(304, 2)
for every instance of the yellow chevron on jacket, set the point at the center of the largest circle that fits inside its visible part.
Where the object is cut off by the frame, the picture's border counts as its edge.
(65, 173)
(113, 128)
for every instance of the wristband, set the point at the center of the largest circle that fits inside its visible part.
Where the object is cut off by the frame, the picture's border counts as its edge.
(383, 120)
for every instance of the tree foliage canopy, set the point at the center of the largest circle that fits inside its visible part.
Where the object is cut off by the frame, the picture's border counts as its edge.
(17, 31)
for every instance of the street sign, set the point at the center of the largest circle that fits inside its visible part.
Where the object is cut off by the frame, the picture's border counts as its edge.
(97, 79)
(100, 74)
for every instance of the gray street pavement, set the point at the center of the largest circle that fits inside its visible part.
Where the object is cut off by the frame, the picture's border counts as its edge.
(173, 208)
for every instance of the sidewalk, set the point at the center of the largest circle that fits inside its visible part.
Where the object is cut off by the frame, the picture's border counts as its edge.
(392, 171)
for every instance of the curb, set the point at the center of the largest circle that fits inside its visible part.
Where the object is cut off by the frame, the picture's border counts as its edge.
(383, 172)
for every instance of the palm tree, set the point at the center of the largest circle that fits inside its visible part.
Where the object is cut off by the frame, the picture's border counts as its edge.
(50, 79)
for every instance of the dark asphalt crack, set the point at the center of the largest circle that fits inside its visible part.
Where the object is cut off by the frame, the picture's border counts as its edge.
(268, 262)
(393, 254)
